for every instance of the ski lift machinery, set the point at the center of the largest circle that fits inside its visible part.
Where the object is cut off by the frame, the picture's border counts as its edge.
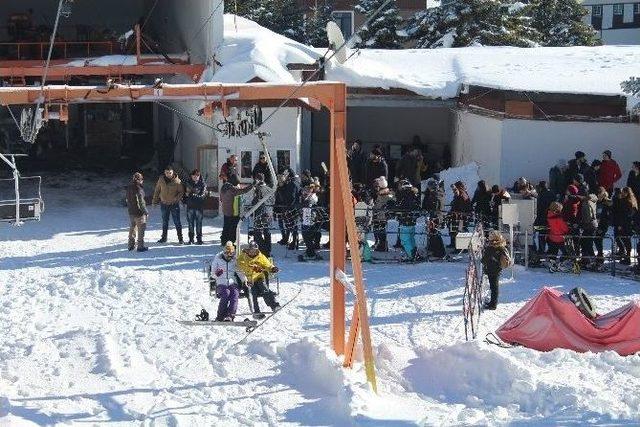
(16, 210)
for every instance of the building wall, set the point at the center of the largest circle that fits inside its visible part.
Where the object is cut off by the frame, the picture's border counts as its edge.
(614, 29)
(478, 139)
(531, 148)
(284, 129)
(508, 149)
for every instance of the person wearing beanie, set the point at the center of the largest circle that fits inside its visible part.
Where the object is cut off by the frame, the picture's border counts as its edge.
(375, 168)
(558, 228)
(384, 200)
(578, 165)
(609, 172)
(494, 259)
(558, 178)
(255, 267)
(138, 213)
(226, 287)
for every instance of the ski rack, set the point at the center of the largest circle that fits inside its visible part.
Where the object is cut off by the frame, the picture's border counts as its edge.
(28, 209)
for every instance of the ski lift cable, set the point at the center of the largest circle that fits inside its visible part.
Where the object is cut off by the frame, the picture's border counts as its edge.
(323, 63)
(13, 117)
(187, 116)
(46, 70)
(155, 3)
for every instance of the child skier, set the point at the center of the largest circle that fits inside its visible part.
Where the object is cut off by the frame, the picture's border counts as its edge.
(226, 286)
(494, 258)
(255, 267)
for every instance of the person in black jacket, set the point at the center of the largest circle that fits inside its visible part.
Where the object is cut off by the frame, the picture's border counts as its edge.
(194, 198)
(375, 168)
(263, 167)
(261, 218)
(481, 202)
(138, 213)
(603, 206)
(633, 180)
(625, 212)
(356, 160)
(289, 199)
(494, 258)
(545, 197)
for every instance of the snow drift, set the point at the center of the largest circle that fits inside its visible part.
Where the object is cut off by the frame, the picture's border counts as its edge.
(551, 320)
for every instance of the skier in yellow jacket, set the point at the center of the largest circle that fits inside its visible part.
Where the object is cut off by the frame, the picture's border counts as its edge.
(255, 267)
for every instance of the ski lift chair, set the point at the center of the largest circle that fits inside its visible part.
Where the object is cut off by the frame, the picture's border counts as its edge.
(15, 208)
(245, 289)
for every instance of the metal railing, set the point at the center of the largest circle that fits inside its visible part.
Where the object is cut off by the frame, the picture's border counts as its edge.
(61, 49)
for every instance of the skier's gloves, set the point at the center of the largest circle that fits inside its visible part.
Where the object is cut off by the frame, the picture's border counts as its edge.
(274, 269)
(257, 269)
(219, 272)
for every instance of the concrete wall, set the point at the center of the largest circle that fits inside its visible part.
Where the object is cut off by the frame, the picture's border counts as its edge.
(478, 139)
(530, 148)
(508, 149)
(179, 26)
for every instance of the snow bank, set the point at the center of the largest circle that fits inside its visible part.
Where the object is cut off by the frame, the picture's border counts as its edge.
(467, 174)
(249, 51)
(253, 51)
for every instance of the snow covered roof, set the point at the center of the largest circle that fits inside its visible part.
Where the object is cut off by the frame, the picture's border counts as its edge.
(252, 51)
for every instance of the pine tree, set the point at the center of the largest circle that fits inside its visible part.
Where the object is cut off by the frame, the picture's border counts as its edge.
(559, 23)
(315, 25)
(382, 31)
(632, 87)
(280, 16)
(473, 22)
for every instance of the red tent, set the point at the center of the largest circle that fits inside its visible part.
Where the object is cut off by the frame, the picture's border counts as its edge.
(551, 320)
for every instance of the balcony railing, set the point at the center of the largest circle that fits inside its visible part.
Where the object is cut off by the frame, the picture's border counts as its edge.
(61, 50)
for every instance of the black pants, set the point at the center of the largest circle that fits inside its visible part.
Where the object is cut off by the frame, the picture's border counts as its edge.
(262, 238)
(311, 240)
(229, 226)
(260, 289)
(494, 280)
(554, 248)
(587, 241)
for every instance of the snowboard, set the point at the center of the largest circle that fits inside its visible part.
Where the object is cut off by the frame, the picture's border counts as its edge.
(269, 316)
(249, 325)
(304, 258)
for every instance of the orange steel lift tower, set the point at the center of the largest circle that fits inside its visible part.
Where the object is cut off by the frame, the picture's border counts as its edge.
(332, 96)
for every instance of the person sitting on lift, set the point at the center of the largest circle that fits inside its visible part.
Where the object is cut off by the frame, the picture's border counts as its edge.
(256, 267)
(226, 287)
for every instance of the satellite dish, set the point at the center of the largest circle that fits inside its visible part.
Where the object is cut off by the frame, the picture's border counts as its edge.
(336, 41)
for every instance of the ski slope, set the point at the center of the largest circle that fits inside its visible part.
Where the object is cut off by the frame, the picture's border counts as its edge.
(89, 335)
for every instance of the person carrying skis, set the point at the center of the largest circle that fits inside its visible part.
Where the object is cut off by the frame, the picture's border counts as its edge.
(226, 287)
(494, 258)
(255, 267)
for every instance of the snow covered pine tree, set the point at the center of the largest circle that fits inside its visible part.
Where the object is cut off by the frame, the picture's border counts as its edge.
(632, 87)
(281, 16)
(559, 23)
(315, 25)
(471, 23)
(383, 31)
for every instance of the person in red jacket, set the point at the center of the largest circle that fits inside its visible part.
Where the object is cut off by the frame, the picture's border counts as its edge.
(609, 172)
(558, 228)
(571, 205)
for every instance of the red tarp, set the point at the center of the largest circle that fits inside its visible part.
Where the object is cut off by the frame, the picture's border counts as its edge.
(551, 320)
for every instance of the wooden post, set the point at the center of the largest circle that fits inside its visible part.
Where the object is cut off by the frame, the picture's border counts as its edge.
(337, 234)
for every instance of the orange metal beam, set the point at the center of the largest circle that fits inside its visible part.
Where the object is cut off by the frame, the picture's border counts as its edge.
(63, 73)
(323, 92)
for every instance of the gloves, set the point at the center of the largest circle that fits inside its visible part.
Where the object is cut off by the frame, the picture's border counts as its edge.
(219, 272)
(257, 269)
(274, 269)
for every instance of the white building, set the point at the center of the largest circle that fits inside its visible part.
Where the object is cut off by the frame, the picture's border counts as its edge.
(616, 22)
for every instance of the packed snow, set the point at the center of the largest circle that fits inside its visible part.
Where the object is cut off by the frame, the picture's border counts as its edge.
(250, 51)
(90, 335)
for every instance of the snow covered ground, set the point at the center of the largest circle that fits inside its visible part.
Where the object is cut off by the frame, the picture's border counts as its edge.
(89, 334)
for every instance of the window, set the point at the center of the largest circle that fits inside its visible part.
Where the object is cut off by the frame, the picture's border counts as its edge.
(618, 9)
(246, 164)
(344, 19)
(636, 8)
(596, 10)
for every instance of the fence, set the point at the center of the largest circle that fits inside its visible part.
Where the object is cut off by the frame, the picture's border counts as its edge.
(612, 254)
